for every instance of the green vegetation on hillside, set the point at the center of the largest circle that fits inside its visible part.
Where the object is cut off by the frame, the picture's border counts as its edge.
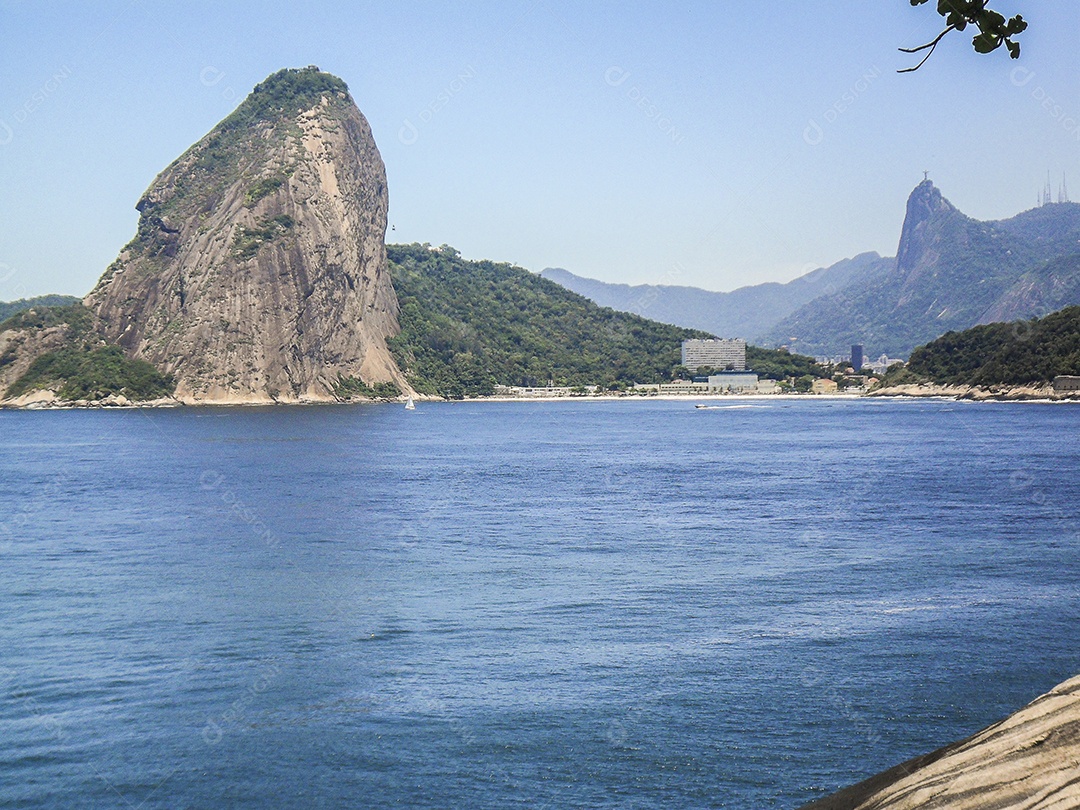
(248, 240)
(262, 188)
(779, 364)
(81, 369)
(9, 308)
(285, 94)
(349, 387)
(467, 326)
(92, 374)
(77, 318)
(1004, 353)
(900, 375)
(1048, 287)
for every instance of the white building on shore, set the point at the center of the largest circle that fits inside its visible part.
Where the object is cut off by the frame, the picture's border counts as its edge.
(727, 382)
(719, 353)
(733, 381)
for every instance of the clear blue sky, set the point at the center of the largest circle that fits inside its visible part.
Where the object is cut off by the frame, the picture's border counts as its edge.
(694, 143)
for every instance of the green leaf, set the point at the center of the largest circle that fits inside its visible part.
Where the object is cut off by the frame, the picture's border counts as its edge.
(1016, 25)
(985, 43)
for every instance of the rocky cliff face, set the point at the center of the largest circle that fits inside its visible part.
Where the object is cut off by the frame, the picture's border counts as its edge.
(258, 273)
(924, 205)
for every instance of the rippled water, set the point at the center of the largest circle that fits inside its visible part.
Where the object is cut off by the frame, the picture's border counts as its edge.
(570, 604)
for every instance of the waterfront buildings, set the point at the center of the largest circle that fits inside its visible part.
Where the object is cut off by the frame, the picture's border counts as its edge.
(727, 382)
(733, 381)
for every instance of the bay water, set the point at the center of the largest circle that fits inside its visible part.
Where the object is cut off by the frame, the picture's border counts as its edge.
(523, 604)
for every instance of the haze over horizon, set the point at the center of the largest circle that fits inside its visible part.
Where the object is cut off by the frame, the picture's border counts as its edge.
(711, 148)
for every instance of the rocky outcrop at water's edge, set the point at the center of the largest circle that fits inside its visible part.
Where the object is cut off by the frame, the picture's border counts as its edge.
(1029, 760)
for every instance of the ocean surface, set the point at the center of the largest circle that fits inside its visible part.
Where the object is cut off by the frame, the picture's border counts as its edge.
(565, 605)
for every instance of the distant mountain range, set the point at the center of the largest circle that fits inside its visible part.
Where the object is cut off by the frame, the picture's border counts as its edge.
(952, 272)
(748, 312)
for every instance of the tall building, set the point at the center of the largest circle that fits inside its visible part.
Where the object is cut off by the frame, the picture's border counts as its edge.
(856, 356)
(718, 354)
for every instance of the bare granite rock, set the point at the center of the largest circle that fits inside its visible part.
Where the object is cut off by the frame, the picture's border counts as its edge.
(978, 393)
(1029, 760)
(259, 272)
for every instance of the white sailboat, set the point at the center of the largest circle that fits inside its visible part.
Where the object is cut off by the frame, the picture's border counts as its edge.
(410, 405)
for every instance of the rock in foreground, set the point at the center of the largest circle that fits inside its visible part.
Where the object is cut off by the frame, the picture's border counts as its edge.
(1029, 760)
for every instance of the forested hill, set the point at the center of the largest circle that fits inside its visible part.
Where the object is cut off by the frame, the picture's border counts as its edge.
(9, 308)
(1015, 353)
(467, 326)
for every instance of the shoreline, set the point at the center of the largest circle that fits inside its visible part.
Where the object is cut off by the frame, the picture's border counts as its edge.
(979, 393)
(899, 393)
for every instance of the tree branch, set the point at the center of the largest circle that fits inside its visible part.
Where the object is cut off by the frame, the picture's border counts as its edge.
(931, 45)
